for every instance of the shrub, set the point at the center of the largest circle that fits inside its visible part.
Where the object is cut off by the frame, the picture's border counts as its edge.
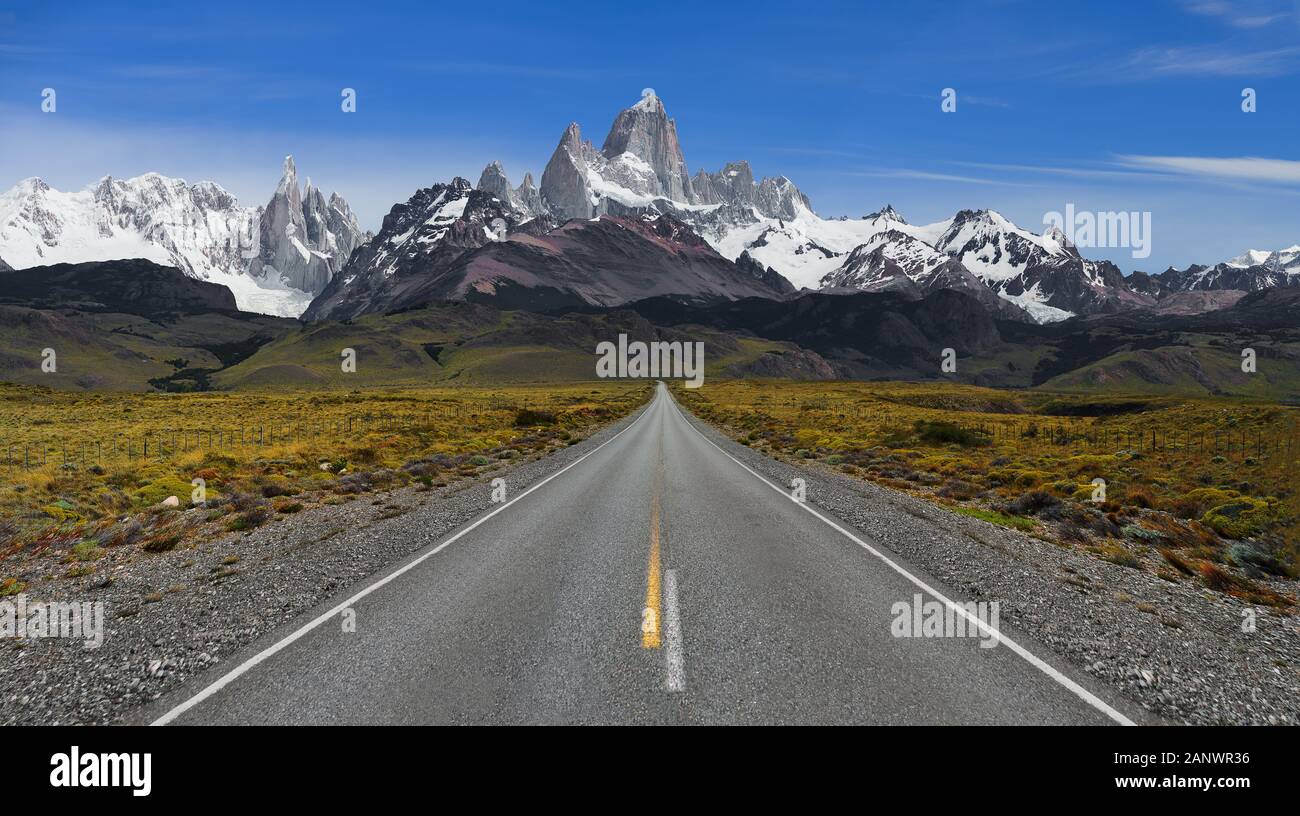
(1176, 561)
(958, 489)
(1121, 556)
(1031, 503)
(1255, 561)
(124, 532)
(946, 433)
(527, 417)
(1140, 497)
(164, 540)
(1240, 518)
(1143, 534)
(994, 517)
(248, 519)
(1216, 577)
(159, 489)
(87, 550)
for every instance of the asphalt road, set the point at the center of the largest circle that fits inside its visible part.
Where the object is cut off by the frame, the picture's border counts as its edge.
(656, 580)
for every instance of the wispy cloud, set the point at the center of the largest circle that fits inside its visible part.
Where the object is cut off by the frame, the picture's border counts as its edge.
(1207, 60)
(16, 50)
(1072, 172)
(1248, 15)
(1245, 168)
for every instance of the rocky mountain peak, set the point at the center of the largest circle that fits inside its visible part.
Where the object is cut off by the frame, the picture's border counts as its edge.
(288, 175)
(493, 181)
(886, 213)
(645, 131)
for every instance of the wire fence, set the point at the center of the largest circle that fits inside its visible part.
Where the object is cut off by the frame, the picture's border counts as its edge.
(72, 450)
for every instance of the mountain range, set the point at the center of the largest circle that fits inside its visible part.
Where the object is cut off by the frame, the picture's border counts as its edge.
(135, 325)
(274, 259)
(548, 247)
(606, 226)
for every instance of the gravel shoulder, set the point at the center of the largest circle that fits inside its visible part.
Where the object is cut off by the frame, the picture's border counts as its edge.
(171, 616)
(1180, 651)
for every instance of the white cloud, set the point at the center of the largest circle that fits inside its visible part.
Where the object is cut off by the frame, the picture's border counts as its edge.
(1247, 15)
(1245, 168)
(1213, 60)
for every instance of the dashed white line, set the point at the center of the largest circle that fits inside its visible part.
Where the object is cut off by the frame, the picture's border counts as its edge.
(673, 654)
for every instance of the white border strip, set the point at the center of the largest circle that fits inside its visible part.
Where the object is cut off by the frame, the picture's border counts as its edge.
(1079, 691)
(252, 662)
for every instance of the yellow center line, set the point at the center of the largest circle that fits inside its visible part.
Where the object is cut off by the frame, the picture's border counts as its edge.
(650, 615)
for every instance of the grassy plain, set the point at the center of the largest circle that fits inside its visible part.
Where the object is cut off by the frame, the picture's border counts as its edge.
(1201, 490)
(83, 472)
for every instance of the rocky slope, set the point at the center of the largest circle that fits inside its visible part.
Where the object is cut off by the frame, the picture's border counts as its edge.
(418, 241)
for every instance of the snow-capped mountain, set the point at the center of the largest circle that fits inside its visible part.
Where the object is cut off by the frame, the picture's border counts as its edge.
(1043, 274)
(417, 239)
(455, 242)
(1251, 271)
(274, 258)
(641, 167)
(641, 161)
(766, 227)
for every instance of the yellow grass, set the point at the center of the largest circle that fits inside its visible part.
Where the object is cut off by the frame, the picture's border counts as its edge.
(984, 449)
(73, 464)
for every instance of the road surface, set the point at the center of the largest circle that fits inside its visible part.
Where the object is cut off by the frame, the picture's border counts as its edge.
(656, 580)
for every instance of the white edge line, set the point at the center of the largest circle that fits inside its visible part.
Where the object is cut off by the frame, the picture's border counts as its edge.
(1031, 658)
(221, 682)
(673, 635)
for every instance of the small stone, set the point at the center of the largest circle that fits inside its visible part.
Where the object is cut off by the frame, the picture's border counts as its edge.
(171, 501)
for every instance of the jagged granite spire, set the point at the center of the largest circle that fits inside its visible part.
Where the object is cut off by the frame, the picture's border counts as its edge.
(303, 239)
(645, 131)
(564, 181)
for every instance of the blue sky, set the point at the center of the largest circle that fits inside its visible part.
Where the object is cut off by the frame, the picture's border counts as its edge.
(1106, 105)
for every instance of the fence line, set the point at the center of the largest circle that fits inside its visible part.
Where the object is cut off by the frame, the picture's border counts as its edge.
(167, 442)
